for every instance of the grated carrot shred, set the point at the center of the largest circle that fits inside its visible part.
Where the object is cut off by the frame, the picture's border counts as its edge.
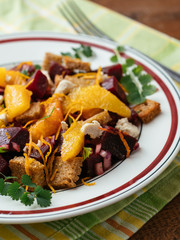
(50, 147)
(37, 148)
(125, 144)
(29, 82)
(8, 135)
(98, 76)
(85, 183)
(54, 174)
(84, 74)
(29, 122)
(51, 160)
(28, 161)
(53, 190)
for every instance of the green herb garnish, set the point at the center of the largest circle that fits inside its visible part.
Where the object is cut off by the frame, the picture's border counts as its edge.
(48, 115)
(134, 80)
(37, 67)
(3, 150)
(86, 152)
(78, 52)
(18, 192)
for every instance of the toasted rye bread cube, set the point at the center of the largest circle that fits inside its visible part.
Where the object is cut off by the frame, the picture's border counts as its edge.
(103, 118)
(35, 111)
(148, 110)
(17, 167)
(68, 172)
(75, 63)
(49, 59)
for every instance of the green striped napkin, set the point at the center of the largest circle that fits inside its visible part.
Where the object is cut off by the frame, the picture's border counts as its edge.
(123, 219)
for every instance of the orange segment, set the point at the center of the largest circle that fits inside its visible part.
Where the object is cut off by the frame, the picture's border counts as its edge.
(17, 100)
(94, 97)
(48, 126)
(73, 141)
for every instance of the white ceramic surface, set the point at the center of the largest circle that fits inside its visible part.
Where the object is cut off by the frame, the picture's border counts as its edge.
(159, 141)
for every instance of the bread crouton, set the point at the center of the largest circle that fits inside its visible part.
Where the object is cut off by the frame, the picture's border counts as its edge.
(35, 111)
(75, 63)
(148, 110)
(103, 118)
(68, 172)
(78, 81)
(49, 59)
(17, 167)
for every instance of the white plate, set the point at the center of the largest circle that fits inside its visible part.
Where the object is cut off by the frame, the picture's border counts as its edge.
(159, 141)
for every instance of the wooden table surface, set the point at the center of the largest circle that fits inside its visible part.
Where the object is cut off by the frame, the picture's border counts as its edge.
(164, 16)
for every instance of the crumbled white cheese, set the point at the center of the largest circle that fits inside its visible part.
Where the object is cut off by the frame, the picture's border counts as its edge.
(25, 149)
(64, 86)
(4, 118)
(64, 125)
(1, 99)
(48, 77)
(92, 129)
(39, 143)
(125, 126)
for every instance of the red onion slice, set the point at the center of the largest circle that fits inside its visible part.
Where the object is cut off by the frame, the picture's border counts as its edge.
(98, 148)
(107, 161)
(99, 168)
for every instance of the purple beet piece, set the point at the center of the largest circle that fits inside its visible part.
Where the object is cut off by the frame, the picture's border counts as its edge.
(4, 166)
(44, 149)
(39, 85)
(57, 69)
(113, 144)
(131, 141)
(89, 165)
(14, 138)
(114, 70)
(1, 91)
(112, 85)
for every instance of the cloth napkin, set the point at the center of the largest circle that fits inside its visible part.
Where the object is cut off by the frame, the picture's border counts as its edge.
(122, 219)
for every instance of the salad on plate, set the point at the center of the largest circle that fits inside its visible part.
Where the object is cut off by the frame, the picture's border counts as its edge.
(63, 123)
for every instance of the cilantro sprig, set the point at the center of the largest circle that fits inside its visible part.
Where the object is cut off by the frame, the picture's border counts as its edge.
(78, 52)
(17, 192)
(136, 82)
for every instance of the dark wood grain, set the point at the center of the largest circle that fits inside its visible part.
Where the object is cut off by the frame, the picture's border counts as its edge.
(162, 15)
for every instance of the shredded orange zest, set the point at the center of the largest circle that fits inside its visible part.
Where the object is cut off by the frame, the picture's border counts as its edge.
(53, 190)
(125, 144)
(54, 174)
(58, 132)
(23, 75)
(85, 74)
(26, 188)
(50, 147)
(85, 183)
(7, 134)
(29, 82)
(98, 76)
(79, 114)
(29, 122)
(28, 161)
(51, 160)
(107, 130)
(37, 148)
(30, 143)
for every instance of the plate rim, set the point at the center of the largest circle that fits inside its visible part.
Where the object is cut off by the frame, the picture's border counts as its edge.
(159, 170)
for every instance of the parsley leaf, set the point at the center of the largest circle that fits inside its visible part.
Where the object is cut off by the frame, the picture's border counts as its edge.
(37, 67)
(43, 196)
(80, 51)
(86, 152)
(114, 59)
(26, 181)
(17, 192)
(27, 199)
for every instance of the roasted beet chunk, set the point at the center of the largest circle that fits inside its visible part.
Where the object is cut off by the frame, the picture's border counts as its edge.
(93, 165)
(39, 85)
(44, 149)
(114, 70)
(14, 138)
(57, 69)
(4, 166)
(112, 143)
(112, 85)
